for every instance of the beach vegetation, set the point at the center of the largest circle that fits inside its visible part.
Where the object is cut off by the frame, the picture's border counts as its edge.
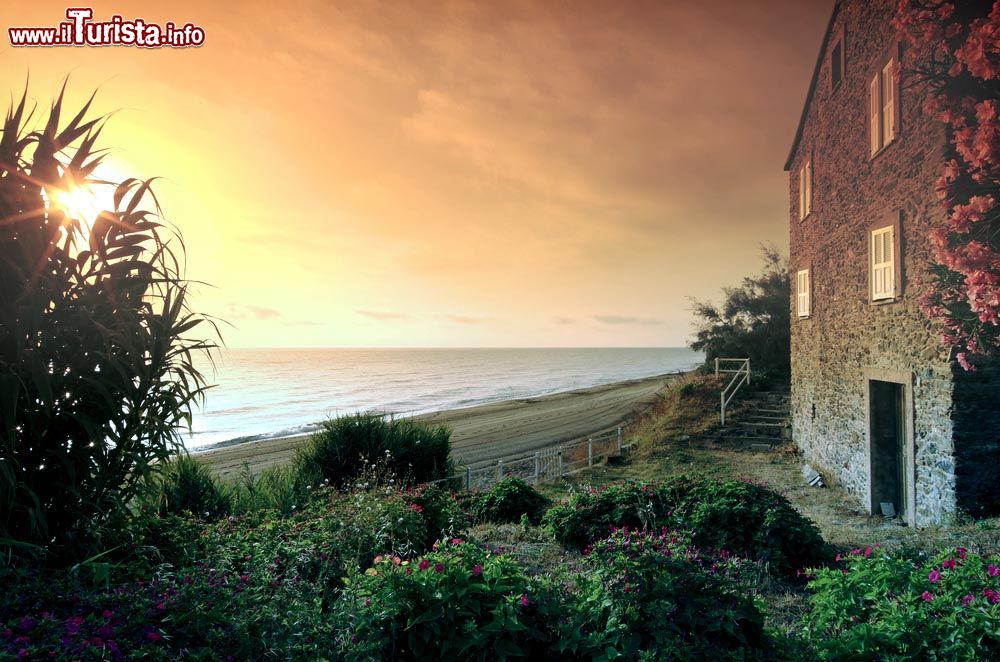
(186, 485)
(508, 501)
(96, 340)
(753, 320)
(348, 446)
(737, 516)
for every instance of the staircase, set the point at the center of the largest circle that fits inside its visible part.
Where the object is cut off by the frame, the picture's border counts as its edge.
(761, 421)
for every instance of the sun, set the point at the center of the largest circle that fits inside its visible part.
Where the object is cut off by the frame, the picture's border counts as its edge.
(85, 201)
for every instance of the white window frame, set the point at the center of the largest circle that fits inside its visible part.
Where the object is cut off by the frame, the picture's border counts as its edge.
(803, 299)
(882, 263)
(883, 98)
(805, 189)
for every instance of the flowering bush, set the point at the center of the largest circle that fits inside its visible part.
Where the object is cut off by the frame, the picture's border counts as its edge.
(459, 602)
(744, 518)
(954, 51)
(508, 500)
(880, 605)
(442, 515)
(651, 591)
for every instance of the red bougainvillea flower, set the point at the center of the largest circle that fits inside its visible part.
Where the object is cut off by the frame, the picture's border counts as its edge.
(950, 564)
(415, 507)
(868, 551)
(424, 564)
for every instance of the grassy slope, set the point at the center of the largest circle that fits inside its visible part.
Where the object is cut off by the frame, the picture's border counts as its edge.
(675, 437)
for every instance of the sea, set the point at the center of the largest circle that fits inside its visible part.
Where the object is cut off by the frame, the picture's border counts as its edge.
(268, 393)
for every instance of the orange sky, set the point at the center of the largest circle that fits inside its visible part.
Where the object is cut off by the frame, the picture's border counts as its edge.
(454, 174)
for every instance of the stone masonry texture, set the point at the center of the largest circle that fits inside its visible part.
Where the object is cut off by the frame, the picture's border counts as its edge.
(955, 416)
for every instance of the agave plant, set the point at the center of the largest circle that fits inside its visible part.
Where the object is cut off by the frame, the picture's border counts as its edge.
(96, 372)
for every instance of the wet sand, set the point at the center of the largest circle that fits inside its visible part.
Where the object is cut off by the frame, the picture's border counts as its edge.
(485, 432)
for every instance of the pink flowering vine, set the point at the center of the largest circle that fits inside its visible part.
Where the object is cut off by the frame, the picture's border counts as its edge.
(954, 53)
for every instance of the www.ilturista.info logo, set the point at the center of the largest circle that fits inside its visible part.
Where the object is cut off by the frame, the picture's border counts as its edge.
(80, 30)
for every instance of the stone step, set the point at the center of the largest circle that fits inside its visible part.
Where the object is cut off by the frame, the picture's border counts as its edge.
(756, 417)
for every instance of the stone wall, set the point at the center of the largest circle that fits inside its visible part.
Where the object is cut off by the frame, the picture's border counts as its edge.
(847, 338)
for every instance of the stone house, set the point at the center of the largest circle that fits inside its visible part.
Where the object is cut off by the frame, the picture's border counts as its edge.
(878, 405)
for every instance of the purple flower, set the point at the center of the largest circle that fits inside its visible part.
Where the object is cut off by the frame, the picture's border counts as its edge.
(967, 599)
(424, 564)
(934, 576)
(439, 567)
(26, 624)
(477, 570)
(927, 596)
(525, 601)
(106, 632)
(992, 570)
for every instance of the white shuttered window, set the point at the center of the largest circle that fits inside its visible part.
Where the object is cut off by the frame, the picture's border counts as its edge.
(805, 189)
(883, 266)
(802, 293)
(883, 110)
(874, 114)
(888, 103)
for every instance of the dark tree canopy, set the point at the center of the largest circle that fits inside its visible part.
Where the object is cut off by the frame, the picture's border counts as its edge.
(96, 372)
(753, 320)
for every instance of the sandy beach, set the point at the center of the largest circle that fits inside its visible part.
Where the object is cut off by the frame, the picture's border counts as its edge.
(487, 431)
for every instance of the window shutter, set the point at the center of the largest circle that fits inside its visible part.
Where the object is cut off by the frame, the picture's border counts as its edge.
(802, 192)
(883, 267)
(888, 102)
(874, 114)
(802, 293)
(809, 186)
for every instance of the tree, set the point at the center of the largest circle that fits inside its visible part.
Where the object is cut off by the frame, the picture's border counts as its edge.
(96, 371)
(954, 53)
(753, 320)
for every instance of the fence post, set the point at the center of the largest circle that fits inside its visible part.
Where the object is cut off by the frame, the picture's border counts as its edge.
(560, 462)
(468, 479)
(537, 468)
(590, 452)
(619, 440)
(722, 407)
(716, 366)
(499, 470)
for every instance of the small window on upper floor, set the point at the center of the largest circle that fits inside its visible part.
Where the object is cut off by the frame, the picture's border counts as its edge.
(806, 188)
(802, 293)
(837, 63)
(885, 260)
(883, 105)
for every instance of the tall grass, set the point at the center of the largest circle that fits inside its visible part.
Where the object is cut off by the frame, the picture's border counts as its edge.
(415, 452)
(361, 449)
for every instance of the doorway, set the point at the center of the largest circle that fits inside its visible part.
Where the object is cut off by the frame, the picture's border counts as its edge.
(889, 460)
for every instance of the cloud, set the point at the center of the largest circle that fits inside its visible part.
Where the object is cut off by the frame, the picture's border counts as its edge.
(627, 321)
(383, 316)
(464, 319)
(261, 313)
(563, 321)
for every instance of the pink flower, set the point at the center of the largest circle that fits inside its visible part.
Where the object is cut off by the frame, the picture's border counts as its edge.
(967, 599)
(415, 507)
(950, 564)
(962, 552)
(439, 567)
(934, 576)
(868, 551)
(477, 570)
(525, 601)
(424, 564)
(927, 596)
(992, 570)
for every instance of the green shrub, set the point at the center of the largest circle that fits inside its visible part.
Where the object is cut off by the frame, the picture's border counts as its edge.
(648, 592)
(883, 606)
(442, 515)
(740, 517)
(509, 500)
(349, 446)
(186, 485)
(459, 602)
(282, 488)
